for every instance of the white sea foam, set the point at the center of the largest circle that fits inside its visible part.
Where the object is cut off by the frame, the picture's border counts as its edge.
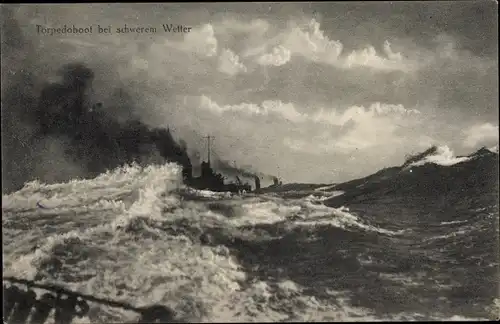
(110, 228)
(443, 156)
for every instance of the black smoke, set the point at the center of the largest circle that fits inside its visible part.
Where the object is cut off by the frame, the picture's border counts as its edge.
(93, 139)
(56, 131)
(79, 125)
(99, 140)
(226, 168)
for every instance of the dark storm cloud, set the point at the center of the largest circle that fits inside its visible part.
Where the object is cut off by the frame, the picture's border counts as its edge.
(472, 23)
(305, 90)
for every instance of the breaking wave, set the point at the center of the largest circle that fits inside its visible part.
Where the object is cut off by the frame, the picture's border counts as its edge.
(442, 156)
(139, 235)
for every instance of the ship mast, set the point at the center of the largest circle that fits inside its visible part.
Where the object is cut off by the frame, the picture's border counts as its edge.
(208, 148)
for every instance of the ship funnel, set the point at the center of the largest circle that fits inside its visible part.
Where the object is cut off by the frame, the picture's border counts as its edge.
(257, 182)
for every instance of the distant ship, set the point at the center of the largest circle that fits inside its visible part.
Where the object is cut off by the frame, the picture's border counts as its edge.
(211, 180)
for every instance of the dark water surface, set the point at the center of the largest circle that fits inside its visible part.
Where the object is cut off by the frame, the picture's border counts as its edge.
(137, 235)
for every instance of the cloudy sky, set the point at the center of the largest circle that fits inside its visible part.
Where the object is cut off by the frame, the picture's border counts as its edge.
(311, 92)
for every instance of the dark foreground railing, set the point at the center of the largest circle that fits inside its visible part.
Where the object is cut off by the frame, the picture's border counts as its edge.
(19, 304)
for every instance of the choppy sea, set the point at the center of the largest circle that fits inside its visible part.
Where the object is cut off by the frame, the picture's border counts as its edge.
(137, 234)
